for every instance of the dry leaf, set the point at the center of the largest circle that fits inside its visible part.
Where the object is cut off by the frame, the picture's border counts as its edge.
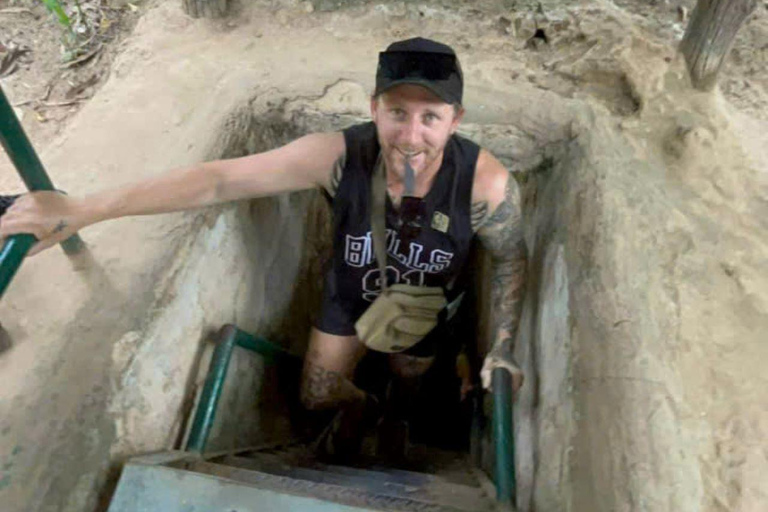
(105, 24)
(16, 10)
(78, 89)
(8, 61)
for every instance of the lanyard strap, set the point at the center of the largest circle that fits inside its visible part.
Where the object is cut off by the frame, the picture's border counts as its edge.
(379, 218)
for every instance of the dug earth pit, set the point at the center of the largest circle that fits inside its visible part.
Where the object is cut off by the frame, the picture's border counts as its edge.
(640, 337)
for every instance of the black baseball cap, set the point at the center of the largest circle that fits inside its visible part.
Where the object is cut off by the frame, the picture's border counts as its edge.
(422, 62)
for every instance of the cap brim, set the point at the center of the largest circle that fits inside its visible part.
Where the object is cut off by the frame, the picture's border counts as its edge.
(424, 83)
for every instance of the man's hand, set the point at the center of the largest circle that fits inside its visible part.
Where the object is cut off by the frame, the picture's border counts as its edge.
(501, 357)
(51, 217)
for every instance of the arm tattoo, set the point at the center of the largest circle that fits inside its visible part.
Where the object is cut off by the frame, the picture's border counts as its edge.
(478, 214)
(326, 389)
(61, 226)
(336, 173)
(502, 236)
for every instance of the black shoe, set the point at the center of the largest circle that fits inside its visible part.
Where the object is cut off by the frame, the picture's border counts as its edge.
(342, 440)
(393, 438)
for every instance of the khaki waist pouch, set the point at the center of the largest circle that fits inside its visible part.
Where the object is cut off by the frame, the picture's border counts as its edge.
(400, 317)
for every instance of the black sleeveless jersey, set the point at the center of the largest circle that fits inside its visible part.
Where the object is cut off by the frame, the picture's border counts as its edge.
(434, 258)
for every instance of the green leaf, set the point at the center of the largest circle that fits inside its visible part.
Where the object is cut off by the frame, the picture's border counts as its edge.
(55, 7)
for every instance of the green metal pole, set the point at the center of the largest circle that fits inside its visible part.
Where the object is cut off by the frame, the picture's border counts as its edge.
(20, 150)
(503, 436)
(270, 351)
(32, 172)
(11, 256)
(229, 336)
(24, 157)
(214, 383)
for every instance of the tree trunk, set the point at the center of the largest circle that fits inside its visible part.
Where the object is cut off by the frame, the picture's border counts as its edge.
(205, 8)
(709, 37)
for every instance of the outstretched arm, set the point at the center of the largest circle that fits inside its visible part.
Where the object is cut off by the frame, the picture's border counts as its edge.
(304, 163)
(500, 230)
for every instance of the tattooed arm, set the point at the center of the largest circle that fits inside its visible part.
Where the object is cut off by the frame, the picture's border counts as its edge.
(497, 219)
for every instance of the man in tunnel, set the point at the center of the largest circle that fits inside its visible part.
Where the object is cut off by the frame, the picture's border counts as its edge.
(439, 191)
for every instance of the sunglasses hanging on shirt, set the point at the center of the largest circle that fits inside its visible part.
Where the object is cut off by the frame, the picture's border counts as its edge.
(412, 209)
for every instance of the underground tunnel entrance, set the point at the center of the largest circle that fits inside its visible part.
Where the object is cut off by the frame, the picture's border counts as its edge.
(286, 240)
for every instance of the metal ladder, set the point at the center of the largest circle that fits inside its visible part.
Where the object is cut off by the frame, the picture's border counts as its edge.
(289, 477)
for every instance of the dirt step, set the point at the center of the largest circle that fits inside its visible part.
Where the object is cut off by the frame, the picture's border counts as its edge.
(443, 465)
(443, 473)
(426, 464)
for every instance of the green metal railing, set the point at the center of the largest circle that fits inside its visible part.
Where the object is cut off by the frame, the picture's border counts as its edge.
(32, 172)
(503, 435)
(228, 338)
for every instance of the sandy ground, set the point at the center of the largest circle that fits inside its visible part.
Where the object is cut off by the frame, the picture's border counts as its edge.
(47, 90)
(46, 80)
(171, 89)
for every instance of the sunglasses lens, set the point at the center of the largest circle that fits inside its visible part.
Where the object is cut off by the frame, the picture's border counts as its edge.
(428, 66)
(412, 213)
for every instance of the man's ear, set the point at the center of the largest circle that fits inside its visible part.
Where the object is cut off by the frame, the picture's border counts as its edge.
(374, 107)
(457, 117)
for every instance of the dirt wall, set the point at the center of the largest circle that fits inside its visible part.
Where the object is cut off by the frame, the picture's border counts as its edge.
(646, 293)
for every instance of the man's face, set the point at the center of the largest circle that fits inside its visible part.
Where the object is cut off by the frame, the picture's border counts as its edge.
(414, 123)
